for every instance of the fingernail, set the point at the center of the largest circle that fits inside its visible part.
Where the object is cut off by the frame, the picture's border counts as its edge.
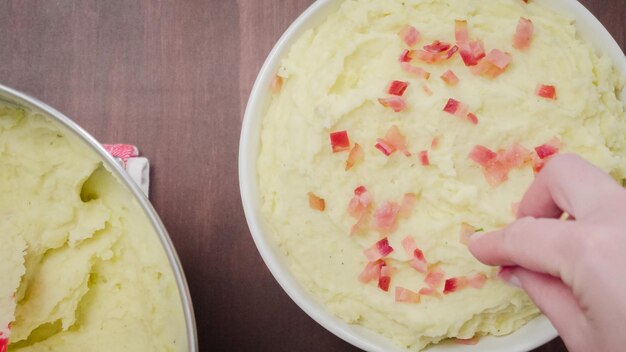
(507, 275)
(514, 281)
(476, 235)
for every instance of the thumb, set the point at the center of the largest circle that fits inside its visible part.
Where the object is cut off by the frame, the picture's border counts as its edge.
(554, 299)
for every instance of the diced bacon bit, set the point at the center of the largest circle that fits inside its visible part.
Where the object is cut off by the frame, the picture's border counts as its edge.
(493, 65)
(548, 92)
(434, 144)
(316, 202)
(473, 340)
(360, 225)
(384, 147)
(397, 88)
(482, 155)
(386, 218)
(477, 281)
(461, 33)
(406, 56)
(427, 90)
(433, 57)
(409, 35)
(408, 243)
(514, 156)
(359, 191)
(360, 203)
(500, 59)
(466, 231)
(456, 108)
(426, 56)
(414, 70)
(434, 278)
(437, 47)
(452, 51)
(339, 141)
(384, 279)
(543, 151)
(523, 34)
(429, 291)
(379, 250)
(276, 84)
(356, 156)
(406, 296)
(424, 157)
(371, 271)
(496, 166)
(450, 78)
(472, 52)
(418, 262)
(394, 140)
(454, 284)
(397, 104)
(472, 118)
(408, 202)
(457, 283)
(477, 49)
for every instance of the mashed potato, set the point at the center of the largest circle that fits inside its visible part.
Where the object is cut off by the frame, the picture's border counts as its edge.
(332, 79)
(94, 275)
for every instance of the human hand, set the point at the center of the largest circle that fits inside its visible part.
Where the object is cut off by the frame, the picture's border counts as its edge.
(574, 270)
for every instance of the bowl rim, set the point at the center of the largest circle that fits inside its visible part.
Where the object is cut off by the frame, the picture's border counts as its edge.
(113, 166)
(248, 178)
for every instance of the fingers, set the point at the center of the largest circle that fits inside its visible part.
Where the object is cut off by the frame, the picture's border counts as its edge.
(566, 184)
(554, 299)
(543, 245)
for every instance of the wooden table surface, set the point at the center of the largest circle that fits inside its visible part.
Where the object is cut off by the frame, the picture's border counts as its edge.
(173, 77)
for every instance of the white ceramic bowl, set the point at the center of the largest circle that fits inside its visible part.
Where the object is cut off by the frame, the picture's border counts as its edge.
(532, 335)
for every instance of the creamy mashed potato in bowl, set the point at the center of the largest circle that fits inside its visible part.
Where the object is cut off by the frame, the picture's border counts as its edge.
(449, 155)
(86, 264)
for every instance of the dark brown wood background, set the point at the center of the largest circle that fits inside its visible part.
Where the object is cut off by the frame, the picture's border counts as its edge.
(173, 77)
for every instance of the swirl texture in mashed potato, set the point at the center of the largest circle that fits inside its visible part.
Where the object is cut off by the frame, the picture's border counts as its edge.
(332, 79)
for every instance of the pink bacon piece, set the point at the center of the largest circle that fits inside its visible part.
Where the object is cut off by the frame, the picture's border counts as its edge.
(339, 141)
(384, 280)
(358, 208)
(414, 70)
(450, 78)
(379, 250)
(406, 296)
(395, 103)
(397, 88)
(386, 218)
(456, 108)
(546, 91)
(424, 159)
(523, 34)
(360, 203)
(466, 231)
(393, 140)
(418, 261)
(276, 84)
(371, 271)
(409, 35)
(408, 202)
(356, 156)
(437, 47)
